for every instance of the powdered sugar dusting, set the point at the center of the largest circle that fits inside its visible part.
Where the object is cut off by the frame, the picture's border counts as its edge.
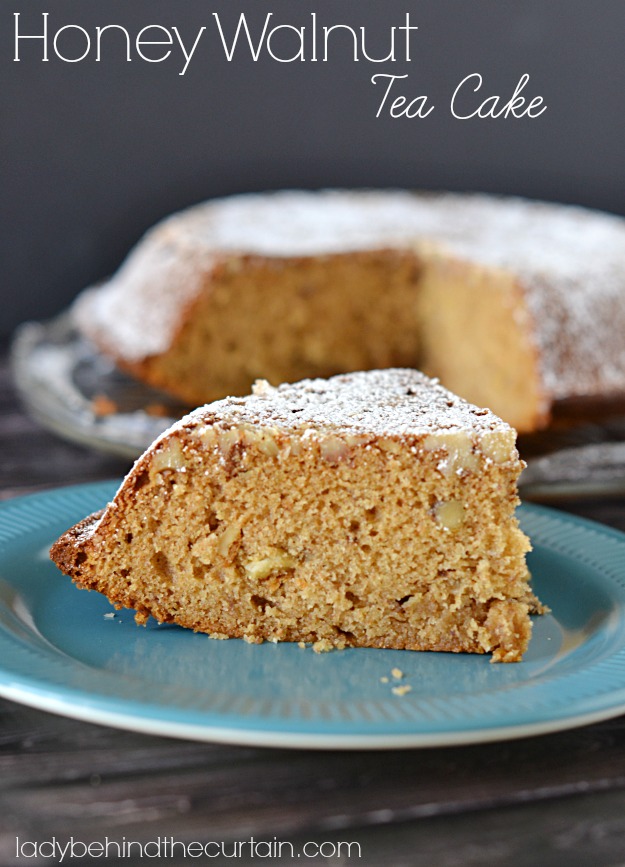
(570, 262)
(503, 231)
(378, 403)
(137, 312)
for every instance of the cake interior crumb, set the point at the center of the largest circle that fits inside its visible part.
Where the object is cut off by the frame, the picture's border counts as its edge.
(401, 690)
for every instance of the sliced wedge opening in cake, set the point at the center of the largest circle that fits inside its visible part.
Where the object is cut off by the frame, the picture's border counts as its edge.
(284, 319)
(372, 509)
(477, 338)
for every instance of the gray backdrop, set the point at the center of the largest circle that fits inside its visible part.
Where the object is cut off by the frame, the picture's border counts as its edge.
(94, 153)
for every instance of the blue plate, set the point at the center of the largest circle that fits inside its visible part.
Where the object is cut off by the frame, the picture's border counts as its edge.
(67, 651)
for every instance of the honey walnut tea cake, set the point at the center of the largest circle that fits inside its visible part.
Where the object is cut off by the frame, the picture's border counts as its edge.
(373, 509)
(515, 305)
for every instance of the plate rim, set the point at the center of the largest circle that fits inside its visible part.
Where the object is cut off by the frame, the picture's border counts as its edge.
(123, 713)
(254, 737)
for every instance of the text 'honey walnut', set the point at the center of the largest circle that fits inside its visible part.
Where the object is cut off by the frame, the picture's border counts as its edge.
(514, 305)
(372, 509)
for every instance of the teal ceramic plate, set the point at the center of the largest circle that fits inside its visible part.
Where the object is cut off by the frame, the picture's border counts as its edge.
(62, 650)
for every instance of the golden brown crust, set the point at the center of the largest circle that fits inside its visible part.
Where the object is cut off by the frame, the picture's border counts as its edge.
(68, 552)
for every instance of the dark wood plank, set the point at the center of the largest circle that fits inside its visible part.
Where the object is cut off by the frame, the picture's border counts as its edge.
(58, 775)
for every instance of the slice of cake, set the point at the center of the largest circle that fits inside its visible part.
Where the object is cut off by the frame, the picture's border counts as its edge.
(372, 509)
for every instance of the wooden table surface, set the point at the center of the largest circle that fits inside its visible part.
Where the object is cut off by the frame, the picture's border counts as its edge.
(551, 800)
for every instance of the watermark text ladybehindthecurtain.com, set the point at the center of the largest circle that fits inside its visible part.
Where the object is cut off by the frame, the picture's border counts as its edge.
(62, 851)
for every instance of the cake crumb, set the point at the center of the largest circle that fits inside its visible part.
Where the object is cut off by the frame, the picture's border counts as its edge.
(302, 644)
(322, 646)
(401, 690)
(102, 405)
(110, 615)
(384, 680)
(219, 636)
(397, 673)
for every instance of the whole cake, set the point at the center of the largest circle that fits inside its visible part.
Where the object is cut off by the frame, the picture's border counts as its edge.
(515, 305)
(373, 509)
